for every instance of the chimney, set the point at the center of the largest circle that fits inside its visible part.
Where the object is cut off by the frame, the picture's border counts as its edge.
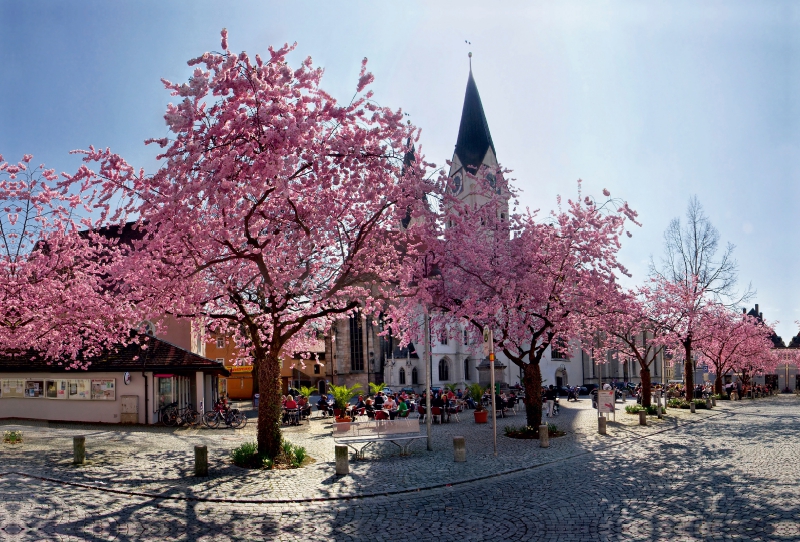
(744, 310)
(757, 309)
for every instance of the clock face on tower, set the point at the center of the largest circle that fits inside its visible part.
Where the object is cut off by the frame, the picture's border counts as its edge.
(458, 184)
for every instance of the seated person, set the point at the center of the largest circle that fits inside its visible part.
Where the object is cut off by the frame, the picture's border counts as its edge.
(304, 406)
(402, 409)
(290, 403)
(360, 404)
(379, 400)
(369, 408)
(324, 407)
(389, 404)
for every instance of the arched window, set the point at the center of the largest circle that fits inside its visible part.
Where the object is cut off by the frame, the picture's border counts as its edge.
(402, 375)
(466, 369)
(444, 371)
(414, 379)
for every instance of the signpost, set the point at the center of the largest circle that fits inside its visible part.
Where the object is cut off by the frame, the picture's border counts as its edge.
(606, 403)
(488, 349)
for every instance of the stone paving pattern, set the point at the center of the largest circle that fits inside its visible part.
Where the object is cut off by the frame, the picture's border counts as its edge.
(727, 474)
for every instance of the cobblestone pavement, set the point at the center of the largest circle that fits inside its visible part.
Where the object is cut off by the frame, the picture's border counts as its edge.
(729, 476)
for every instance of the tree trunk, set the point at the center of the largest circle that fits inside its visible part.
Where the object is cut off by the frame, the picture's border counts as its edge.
(533, 394)
(269, 407)
(644, 374)
(688, 370)
(718, 384)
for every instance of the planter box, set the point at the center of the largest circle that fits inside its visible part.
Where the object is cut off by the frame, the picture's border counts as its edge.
(482, 416)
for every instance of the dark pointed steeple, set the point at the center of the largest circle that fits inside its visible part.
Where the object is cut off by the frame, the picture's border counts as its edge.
(474, 138)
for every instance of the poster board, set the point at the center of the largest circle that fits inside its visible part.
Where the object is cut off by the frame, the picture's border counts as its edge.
(104, 389)
(12, 388)
(56, 389)
(80, 390)
(34, 389)
(605, 402)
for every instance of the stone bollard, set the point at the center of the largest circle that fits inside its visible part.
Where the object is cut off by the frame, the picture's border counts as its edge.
(544, 437)
(708, 403)
(200, 461)
(642, 417)
(601, 425)
(691, 407)
(658, 411)
(342, 461)
(713, 401)
(459, 449)
(78, 450)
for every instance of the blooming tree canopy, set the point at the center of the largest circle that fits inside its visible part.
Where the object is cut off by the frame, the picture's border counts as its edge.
(277, 209)
(532, 282)
(736, 342)
(628, 328)
(57, 298)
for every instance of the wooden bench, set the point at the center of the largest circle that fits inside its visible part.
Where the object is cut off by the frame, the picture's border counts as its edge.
(401, 432)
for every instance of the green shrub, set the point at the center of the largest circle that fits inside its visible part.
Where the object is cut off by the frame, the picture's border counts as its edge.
(699, 403)
(246, 455)
(651, 410)
(299, 455)
(552, 428)
(677, 403)
(721, 397)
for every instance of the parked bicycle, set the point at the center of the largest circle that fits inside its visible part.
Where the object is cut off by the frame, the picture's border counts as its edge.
(172, 416)
(232, 417)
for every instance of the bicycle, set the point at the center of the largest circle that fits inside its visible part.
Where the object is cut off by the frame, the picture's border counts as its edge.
(173, 416)
(223, 413)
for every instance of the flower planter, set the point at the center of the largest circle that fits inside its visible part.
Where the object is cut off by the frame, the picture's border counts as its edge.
(481, 416)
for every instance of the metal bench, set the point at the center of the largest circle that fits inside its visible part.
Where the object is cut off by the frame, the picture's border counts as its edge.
(401, 432)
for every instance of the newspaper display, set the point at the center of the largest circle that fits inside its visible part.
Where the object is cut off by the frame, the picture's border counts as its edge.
(12, 388)
(80, 389)
(104, 390)
(100, 389)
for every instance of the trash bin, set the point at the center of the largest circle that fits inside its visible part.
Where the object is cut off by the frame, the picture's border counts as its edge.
(255, 400)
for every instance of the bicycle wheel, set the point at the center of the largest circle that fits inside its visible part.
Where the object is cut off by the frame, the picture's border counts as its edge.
(239, 420)
(191, 417)
(170, 417)
(211, 419)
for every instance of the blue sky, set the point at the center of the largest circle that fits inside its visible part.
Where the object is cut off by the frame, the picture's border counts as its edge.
(655, 101)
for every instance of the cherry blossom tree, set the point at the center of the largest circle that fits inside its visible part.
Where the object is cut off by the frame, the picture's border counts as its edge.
(733, 339)
(57, 298)
(628, 328)
(277, 208)
(533, 282)
(693, 275)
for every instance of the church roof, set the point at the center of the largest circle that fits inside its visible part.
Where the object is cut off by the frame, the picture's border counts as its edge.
(474, 138)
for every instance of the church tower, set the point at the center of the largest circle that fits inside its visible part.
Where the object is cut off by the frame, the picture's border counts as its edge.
(474, 145)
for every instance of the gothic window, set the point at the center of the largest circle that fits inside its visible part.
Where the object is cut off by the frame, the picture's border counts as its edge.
(466, 369)
(444, 371)
(356, 343)
(558, 349)
(444, 338)
(402, 375)
(414, 378)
